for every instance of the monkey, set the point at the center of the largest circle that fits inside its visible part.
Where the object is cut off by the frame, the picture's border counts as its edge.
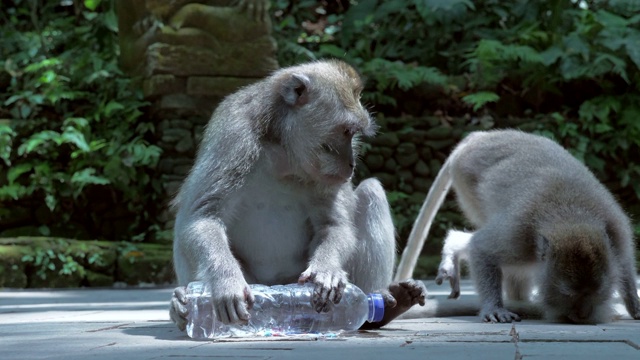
(543, 220)
(270, 198)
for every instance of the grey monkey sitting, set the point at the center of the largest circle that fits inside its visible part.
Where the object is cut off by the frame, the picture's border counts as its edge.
(270, 200)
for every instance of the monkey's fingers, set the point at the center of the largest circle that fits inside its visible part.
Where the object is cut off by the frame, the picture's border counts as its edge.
(499, 315)
(180, 293)
(329, 287)
(232, 311)
(408, 293)
(387, 297)
(178, 310)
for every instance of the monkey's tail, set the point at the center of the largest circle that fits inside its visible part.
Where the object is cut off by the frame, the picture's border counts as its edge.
(468, 306)
(435, 307)
(422, 224)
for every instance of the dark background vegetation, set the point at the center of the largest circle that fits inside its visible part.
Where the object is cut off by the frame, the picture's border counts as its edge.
(77, 157)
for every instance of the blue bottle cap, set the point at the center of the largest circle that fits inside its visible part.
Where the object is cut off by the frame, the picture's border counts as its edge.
(376, 308)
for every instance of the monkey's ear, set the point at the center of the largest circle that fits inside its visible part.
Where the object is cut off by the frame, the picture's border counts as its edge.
(295, 89)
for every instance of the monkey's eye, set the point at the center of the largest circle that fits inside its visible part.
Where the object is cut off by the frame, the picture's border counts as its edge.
(349, 132)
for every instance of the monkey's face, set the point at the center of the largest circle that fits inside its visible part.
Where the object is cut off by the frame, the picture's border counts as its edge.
(324, 121)
(578, 281)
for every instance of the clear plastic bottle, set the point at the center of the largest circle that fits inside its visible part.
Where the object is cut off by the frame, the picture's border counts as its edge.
(282, 310)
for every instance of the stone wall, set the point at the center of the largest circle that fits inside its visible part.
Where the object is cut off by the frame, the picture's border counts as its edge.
(405, 156)
(190, 55)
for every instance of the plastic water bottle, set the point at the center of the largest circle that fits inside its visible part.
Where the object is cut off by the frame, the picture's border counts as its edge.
(282, 310)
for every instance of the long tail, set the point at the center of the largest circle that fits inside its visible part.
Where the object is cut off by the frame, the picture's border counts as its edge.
(423, 222)
(468, 306)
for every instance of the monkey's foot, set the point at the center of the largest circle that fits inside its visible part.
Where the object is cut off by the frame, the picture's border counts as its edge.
(498, 315)
(398, 298)
(178, 311)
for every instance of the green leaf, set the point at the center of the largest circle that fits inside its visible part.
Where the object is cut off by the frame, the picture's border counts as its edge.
(17, 170)
(481, 98)
(112, 106)
(78, 122)
(73, 136)
(447, 4)
(25, 111)
(86, 176)
(111, 20)
(13, 191)
(44, 230)
(46, 63)
(51, 201)
(574, 44)
(632, 45)
(617, 65)
(551, 55)
(92, 4)
(38, 139)
(48, 77)
(332, 50)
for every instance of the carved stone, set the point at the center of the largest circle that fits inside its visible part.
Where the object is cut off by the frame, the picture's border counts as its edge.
(190, 55)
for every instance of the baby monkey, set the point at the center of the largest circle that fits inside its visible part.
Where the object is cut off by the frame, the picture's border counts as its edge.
(542, 220)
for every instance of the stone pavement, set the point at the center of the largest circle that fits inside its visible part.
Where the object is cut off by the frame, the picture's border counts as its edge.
(133, 324)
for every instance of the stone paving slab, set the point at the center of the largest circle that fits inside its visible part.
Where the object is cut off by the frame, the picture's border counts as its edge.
(133, 324)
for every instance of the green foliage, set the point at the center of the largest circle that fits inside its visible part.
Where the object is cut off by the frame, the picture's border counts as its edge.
(355, 35)
(479, 99)
(76, 135)
(55, 260)
(572, 65)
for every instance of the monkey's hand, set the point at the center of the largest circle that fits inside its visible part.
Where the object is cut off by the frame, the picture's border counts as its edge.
(398, 298)
(449, 270)
(329, 287)
(178, 311)
(232, 299)
(494, 314)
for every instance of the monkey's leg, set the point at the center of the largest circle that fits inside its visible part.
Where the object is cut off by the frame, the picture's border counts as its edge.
(371, 266)
(629, 290)
(484, 252)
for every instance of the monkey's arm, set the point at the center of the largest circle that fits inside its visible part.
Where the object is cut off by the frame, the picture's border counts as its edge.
(333, 242)
(203, 253)
(454, 249)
